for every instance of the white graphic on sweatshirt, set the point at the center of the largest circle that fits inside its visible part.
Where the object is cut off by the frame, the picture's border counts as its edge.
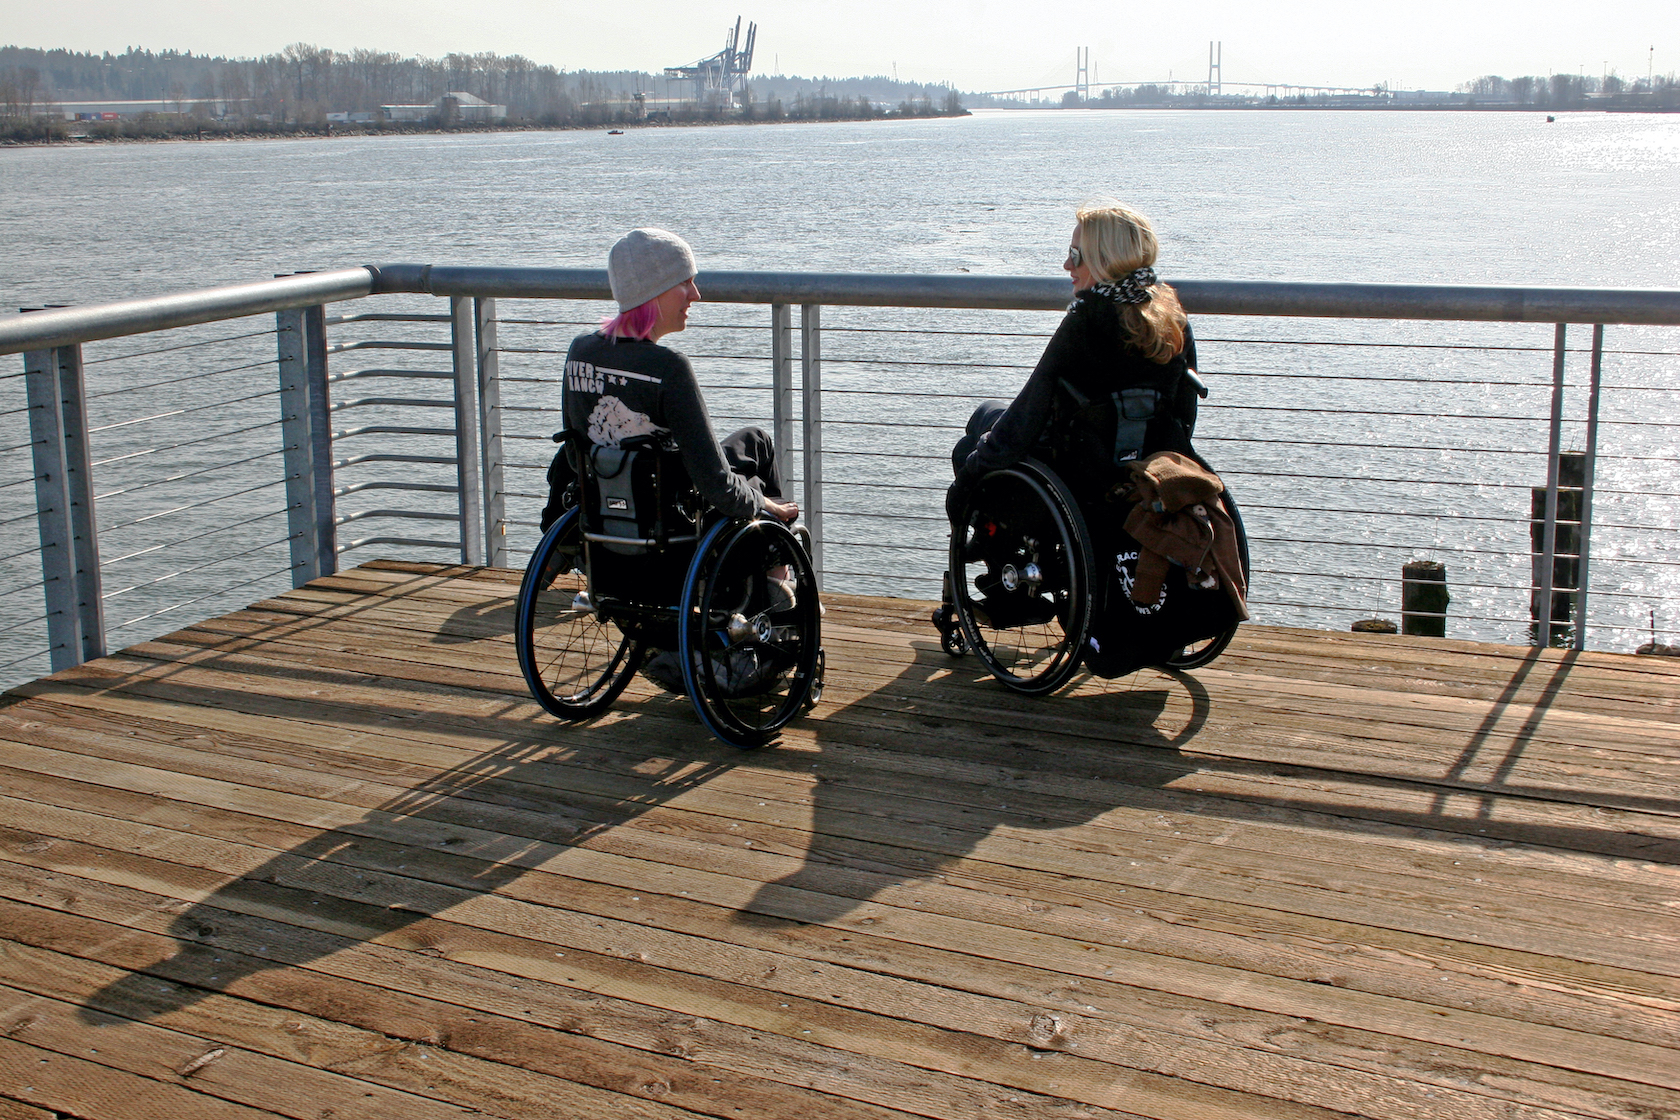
(612, 423)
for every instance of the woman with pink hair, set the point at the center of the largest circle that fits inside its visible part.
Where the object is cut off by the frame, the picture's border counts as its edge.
(621, 382)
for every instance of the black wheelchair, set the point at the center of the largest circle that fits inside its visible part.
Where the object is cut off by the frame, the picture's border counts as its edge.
(638, 564)
(1024, 587)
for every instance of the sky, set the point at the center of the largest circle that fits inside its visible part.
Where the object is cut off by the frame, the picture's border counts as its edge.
(975, 45)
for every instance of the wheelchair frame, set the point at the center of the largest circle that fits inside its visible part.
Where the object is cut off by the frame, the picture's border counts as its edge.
(1040, 560)
(582, 626)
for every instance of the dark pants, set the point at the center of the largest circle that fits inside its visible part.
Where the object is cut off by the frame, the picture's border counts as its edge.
(751, 455)
(985, 416)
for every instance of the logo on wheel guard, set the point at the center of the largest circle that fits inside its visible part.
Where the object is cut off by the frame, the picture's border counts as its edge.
(1126, 575)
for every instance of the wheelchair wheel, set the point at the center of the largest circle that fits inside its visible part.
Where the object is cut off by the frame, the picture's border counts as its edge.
(1197, 654)
(1022, 578)
(574, 661)
(751, 659)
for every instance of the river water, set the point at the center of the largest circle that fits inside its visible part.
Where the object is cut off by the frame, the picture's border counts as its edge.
(1458, 198)
(1500, 198)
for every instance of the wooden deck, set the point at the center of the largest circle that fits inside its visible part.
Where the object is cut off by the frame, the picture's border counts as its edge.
(324, 858)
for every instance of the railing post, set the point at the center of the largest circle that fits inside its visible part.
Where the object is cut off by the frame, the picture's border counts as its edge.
(490, 418)
(64, 505)
(297, 436)
(466, 430)
(1588, 467)
(781, 386)
(810, 358)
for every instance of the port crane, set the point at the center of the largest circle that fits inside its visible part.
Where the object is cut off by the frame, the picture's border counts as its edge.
(723, 76)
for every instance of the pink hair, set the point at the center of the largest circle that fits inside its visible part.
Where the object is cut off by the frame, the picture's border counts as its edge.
(638, 322)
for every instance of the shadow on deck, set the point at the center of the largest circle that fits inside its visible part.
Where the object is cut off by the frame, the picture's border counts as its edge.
(325, 854)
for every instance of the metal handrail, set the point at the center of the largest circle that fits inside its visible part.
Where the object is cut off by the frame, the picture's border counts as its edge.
(1514, 304)
(70, 326)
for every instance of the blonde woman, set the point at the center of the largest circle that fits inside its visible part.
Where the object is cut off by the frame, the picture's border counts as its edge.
(1117, 380)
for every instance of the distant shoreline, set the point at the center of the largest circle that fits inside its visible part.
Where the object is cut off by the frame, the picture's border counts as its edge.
(337, 131)
(1349, 107)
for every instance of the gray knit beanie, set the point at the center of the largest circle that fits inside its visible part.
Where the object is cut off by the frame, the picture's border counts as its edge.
(646, 263)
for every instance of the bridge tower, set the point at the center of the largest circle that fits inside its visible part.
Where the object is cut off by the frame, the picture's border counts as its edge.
(1216, 84)
(1082, 75)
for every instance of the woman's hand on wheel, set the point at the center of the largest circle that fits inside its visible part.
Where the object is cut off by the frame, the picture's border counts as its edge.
(781, 511)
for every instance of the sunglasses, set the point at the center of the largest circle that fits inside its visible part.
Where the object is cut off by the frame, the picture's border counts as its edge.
(1074, 257)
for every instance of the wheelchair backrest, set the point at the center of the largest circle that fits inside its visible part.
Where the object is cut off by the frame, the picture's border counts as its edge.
(636, 499)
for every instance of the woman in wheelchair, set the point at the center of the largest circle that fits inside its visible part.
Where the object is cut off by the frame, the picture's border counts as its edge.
(1040, 557)
(654, 541)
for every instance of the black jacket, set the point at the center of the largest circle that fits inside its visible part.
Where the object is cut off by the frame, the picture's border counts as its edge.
(1073, 410)
(618, 389)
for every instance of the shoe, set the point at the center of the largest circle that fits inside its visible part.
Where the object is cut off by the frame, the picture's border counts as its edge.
(560, 560)
(664, 669)
(744, 671)
(1011, 612)
(780, 593)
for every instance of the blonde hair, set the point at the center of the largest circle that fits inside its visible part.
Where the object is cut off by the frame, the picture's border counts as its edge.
(1116, 240)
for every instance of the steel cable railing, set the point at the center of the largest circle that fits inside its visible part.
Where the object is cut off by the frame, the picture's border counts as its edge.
(1352, 448)
(157, 439)
(266, 577)
(167, 480)
(196, 344)
(179, 542)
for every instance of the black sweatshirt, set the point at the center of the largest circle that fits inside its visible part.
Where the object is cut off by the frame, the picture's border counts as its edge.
(1088, 352)
(629, 387)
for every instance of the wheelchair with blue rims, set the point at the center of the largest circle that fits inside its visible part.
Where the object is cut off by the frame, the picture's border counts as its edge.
(1025, 588)
(637, 564)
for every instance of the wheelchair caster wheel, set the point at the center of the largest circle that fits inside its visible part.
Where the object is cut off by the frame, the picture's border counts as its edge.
(950, 631)
(815, 695)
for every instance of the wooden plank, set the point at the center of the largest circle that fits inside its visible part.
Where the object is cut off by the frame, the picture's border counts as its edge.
(299, 1064)
(66, 1085)
(17, 1110)
(1379, 1096)
(1266, 890)
(1384, 715)
(1181, 772)
(1180, 860)
(790, 1039)
(1274, 863)
(639, 910)
(215, 1066)
(1441, 906)
(606, 775)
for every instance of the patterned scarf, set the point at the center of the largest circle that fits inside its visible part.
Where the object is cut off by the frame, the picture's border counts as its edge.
(1131, 288)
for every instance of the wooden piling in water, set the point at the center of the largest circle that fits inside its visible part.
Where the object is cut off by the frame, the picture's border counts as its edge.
(1424, 598)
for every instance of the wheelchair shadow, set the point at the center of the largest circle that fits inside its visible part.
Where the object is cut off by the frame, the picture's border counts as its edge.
(925, 812)
(389, 874)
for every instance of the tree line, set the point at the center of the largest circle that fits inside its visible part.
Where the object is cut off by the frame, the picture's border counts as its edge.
(302, 84)
(1571, 91)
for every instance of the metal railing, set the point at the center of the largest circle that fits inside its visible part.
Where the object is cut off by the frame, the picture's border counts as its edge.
(1441, 429)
